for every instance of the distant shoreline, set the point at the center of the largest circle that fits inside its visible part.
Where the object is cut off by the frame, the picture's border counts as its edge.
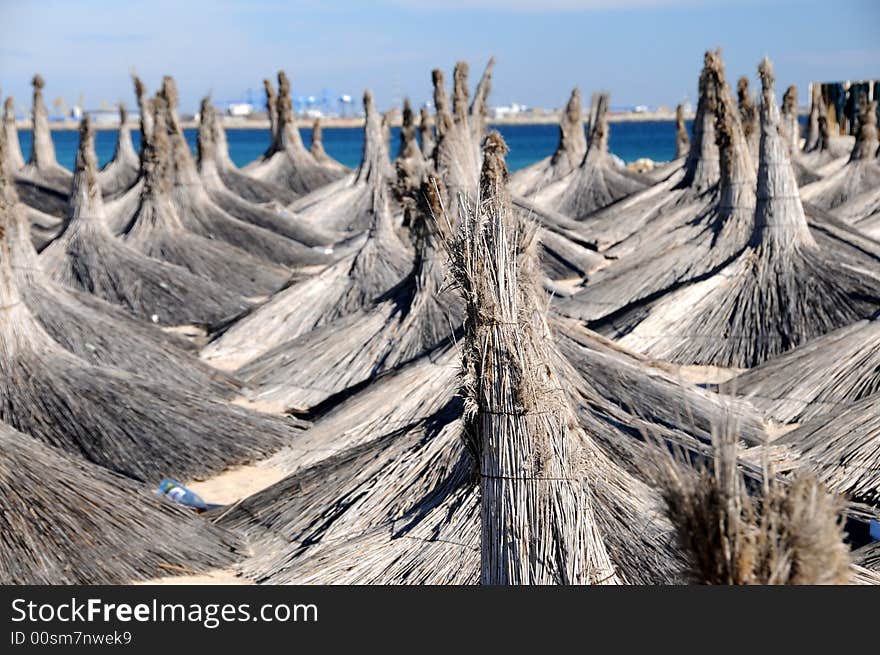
(358, 122)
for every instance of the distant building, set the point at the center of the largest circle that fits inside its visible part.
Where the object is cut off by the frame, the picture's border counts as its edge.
(239, 109)
(505, 111)
(100, 117)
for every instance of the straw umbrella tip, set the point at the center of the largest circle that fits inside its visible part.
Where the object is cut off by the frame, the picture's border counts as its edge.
(437, 77)
(765, 71)
(169, 91)
(494, 174)
(789, 99)
(369, 104)
(38, 82)
(283, 83)
(9, 106)
(123, 114)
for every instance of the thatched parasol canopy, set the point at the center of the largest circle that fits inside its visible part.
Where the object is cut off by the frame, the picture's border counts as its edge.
(598, 180)
(87, 257)
(287, 163)
(211, 140)
(832, 372)
(121, 172)
(569, 152)
(782, 291)
(122, 421)
(350, 285)
(160, 229)
(65, 521)
(692, 235)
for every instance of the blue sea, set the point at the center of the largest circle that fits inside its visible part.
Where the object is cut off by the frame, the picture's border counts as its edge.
(527, 143)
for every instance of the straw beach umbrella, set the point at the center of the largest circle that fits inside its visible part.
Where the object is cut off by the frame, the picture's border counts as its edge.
(316, 148)
(287, 163)
(347, 286)
(100, 413)
(861, 174)
(42, 182)
(426, 133)
(833, 371)
(121, 172)
(790, 128)
(66, 521)
(236, 180)
(87, 257)
(569, 152)
(748, 115)
(793, 289)
(42, 168)
(695, 234)
(822, 153)
(347, 205)
(598, 180)
(537, 515)
(98, 332)
(160, 230)
(276, 220)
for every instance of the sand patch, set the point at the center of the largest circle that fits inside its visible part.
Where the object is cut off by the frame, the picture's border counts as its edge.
(233, 484)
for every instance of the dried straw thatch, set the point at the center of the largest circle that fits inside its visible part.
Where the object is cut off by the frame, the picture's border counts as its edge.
(621, 227)
(87, 257)
(121, 172)
(348, 286)
(682, 140)
(690, 236)
(782, 291)
(822, 153)
(66, 521)
(239, 182)
(287, 163)
(316, 148)
(411, 318)
(410, 164)
(328, 521)
(790, 129)
(349, 204)
(456, 156)
(832, 371)
(276, 220)
(122, 421)
(787, 534)
(568, 155)
(842, 448)
(537, 519)
(160, 230)
(42, 182)
(14, 158)
(426, 133)
(853, 188)
(598, 180)
(198, 211)
(42, 168)
(748, 115)
(98, 332)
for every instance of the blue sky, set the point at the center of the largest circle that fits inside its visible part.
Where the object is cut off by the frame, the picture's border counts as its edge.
(642, 51)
